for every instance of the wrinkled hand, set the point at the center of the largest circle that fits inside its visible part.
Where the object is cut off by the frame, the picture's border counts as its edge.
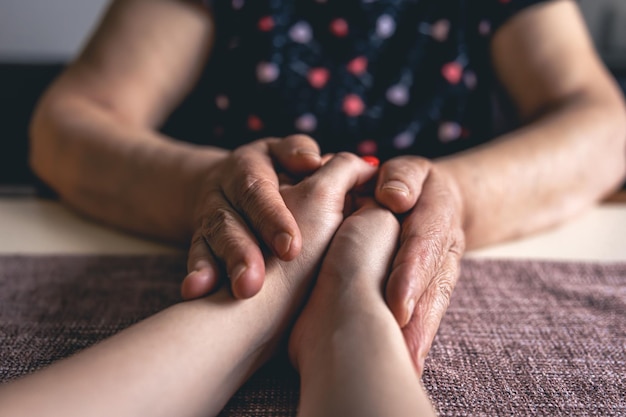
(239, 203)
(426, 268)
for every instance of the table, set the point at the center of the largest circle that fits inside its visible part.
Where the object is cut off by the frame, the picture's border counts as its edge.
(535, 327)
(34, 226)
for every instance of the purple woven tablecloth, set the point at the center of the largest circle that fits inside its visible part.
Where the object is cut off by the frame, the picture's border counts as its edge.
(520, 337)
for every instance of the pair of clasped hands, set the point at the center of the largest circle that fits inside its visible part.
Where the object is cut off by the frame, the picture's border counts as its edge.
(281, 195)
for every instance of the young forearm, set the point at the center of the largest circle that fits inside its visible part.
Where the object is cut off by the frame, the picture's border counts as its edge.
(349, 369)
(347, 345)
(192, 356)
(127, 176)
(187, 360)
(543, 173)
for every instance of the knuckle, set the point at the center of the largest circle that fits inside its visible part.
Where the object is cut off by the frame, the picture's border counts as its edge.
(457, 248)
(224, 236)
(215, 223)
(444, 286)
(197, 239)
(250, 189)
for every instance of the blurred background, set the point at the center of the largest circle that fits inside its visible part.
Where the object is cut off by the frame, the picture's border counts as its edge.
(37, 38)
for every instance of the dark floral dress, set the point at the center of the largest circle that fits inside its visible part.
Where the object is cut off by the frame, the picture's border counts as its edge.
(375, 77)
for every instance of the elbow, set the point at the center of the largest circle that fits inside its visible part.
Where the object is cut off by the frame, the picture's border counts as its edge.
(621, 133)
(51, 147)
(43, 146)
(618, 141)
(607, 109)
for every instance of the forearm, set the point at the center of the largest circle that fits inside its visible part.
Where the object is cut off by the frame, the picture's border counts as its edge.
(347, 345)
(185, 361)
(543, 173)
(127, 176)
(360, 366)
(193, 356)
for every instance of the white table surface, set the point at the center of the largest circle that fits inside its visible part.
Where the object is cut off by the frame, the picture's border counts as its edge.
(33, 226)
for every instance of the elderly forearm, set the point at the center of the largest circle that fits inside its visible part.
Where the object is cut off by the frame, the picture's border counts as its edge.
(544, 173)
(127, 176)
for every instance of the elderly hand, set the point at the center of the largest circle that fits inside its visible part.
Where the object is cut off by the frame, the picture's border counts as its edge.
(426, 268)
(239, 203)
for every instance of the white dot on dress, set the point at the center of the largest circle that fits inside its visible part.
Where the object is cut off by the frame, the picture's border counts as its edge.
(449, 131)
(301, 32)
(306, 123)
(398, 94)
(267, 72)
(404, 140)
(385, 26)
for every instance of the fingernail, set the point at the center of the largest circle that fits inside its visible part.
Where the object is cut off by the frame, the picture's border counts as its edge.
(309, 154)
(237, 272)
(395, 186)
(282, 243)
(372, 160)
(410, 307)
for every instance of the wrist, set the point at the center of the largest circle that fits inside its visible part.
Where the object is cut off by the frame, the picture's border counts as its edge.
(198, 165)
(459, 199)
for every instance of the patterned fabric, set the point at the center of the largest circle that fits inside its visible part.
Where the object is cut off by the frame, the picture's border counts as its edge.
(376, 77)
(520, 338)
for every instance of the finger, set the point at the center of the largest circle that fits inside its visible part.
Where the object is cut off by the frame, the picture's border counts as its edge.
(342, 173)
(429, 231)
(297, 154)
(253, 191)
(431, 307)
(203, 271)
(364, 244)
(233, 243)
(327, 157)
(400, 182)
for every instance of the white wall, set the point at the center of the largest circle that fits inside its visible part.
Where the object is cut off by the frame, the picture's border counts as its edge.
(43, 30)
